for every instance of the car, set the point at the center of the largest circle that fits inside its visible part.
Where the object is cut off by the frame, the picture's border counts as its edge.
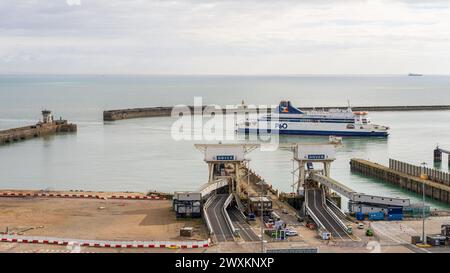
(251, 217)
(268, 220)
(291, 232)
(285, 211)
(360, 226)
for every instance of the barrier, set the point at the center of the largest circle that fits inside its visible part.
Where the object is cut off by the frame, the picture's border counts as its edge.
(137, 197)
(80, 196)
(225, 213)
(205, 213)
(104, 243)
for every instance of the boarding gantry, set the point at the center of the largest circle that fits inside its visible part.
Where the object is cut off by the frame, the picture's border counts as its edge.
(224, 164)
(224, 169)
(319, 190)
(316, 195)
(306, 155)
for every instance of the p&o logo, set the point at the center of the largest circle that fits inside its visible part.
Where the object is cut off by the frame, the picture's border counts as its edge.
(281, 125)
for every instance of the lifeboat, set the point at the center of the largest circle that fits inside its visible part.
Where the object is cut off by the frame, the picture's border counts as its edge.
(360, 113)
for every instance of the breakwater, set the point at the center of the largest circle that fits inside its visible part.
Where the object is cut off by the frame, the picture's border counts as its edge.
(166, 111)
(406, 176)
(111, 115)
(48, 126)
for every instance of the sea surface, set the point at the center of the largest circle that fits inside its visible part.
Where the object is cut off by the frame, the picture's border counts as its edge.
(141, 155)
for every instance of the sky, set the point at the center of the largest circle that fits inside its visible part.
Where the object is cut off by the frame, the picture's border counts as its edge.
(238, 37)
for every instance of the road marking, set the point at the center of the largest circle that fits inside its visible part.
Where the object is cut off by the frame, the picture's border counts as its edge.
(315, 206)
(398, 240)
(217, 218)
(242, 227)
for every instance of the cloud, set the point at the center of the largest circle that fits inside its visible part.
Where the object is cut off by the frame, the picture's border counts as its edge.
(223, 36)
(73, 2)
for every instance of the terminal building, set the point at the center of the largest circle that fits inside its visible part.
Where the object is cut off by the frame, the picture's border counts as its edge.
(187, 204)
(255, 205)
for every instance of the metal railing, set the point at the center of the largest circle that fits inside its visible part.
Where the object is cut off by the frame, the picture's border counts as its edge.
(413, 170)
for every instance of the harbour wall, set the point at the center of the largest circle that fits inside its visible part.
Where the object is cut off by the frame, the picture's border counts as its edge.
(111, 115)
(34, 131)
(405, 176)
(414, 170)
(165, 111)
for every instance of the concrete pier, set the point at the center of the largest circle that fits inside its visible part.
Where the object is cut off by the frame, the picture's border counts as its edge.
(111, 115)
(437, 190)
(47, 127)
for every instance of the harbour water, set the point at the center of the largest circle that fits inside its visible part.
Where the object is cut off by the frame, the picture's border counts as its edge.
(140, 155)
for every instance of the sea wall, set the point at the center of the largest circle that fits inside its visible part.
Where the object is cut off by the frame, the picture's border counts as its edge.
(34, 131)
(111, 115)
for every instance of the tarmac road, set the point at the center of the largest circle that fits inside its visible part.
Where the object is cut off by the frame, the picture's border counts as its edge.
(221, 230)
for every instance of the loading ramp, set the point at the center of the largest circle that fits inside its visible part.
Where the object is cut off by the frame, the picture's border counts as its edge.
(217, 218)
(241, 224)
(327, 221)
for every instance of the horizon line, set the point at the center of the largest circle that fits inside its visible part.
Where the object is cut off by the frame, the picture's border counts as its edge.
(216, 74)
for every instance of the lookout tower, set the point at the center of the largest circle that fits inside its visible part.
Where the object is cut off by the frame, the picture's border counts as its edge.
(437, 155)
(225, 160)
(47, 116)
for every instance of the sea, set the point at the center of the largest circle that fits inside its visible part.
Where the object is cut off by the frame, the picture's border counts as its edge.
(141, 154)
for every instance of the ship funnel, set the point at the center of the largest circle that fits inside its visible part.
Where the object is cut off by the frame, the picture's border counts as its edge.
(285, 107)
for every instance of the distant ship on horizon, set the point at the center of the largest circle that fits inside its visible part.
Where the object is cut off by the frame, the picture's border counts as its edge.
(415, 74)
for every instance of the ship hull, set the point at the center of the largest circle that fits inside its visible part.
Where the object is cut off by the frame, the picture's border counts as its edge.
(313, 132)
(314, 128)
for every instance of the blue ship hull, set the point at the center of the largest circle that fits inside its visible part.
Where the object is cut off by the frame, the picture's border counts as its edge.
(315, 133)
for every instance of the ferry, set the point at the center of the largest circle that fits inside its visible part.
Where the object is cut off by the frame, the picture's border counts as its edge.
(289, 120)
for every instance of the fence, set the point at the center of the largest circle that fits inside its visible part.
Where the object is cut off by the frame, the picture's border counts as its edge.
(413, 170)
(104, 243)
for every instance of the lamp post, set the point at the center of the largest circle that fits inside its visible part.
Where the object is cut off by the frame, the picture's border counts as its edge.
(261, 203)
(424, 164)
